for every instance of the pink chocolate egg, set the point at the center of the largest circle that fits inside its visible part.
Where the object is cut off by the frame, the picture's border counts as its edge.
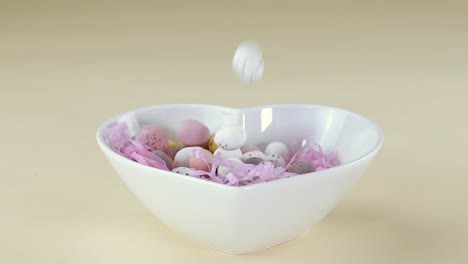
(249, 148)
(154, 137)
(193, 133)
(200, 164)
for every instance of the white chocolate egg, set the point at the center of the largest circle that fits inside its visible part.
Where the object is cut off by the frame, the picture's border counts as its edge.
(276, 159)
(230, 137)
(182, 170)
(226, 154)
(277, 148)
(253, 157)
(248, 63)
(182, 156)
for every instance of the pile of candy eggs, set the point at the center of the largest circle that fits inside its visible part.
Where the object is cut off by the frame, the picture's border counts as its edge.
(229, 143)
(222, 157)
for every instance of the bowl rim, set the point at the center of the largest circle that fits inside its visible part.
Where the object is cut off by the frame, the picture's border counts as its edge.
(372, 151)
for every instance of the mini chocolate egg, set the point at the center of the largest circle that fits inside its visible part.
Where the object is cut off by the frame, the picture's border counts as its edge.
(154, 137)
(301, 167)
(200, 164)
(222, 171)
(182, 157)
(230, 137)
(212, 145)
(226, 154)
(193, 133)
(277, 148)
(164, 157)
(276, 159)
(253, 157)
(248, 148)
(182, 170)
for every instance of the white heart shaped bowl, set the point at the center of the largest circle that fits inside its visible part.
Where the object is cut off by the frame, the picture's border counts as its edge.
(241, 220)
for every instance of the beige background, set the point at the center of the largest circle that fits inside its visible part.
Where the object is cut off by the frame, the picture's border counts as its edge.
(66, 67)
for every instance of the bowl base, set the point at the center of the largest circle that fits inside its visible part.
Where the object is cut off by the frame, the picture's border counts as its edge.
(292, 239)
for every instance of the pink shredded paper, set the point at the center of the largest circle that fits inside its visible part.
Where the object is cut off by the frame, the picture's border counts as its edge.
(130, 148)
(240, 174)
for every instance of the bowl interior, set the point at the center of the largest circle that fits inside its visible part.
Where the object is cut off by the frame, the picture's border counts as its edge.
(350, 135)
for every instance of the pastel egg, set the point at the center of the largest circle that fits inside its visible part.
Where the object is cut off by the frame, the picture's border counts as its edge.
(248, 148)
(182, 170)
(230, 137)
(212, 145)
(164, 157)
(193, 133)
(182, 157)
(253, 157)
(200, 164)
(154, 137)
(276, 159)
(278, 148)
(226, 154)
(301, 167)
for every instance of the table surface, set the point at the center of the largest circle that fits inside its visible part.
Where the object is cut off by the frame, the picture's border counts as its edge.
(65, 67)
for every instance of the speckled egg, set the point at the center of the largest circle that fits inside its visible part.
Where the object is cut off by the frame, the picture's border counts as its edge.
(248, 148)
(164, 157)
(276, 159)
(253, 157)
(200, 164)
(154, 137)
(277, 148)
(193, 133)
(212, 145)
(301, 167)
(182, 170)
(182, 157)
(230, 137)
(226, 154)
